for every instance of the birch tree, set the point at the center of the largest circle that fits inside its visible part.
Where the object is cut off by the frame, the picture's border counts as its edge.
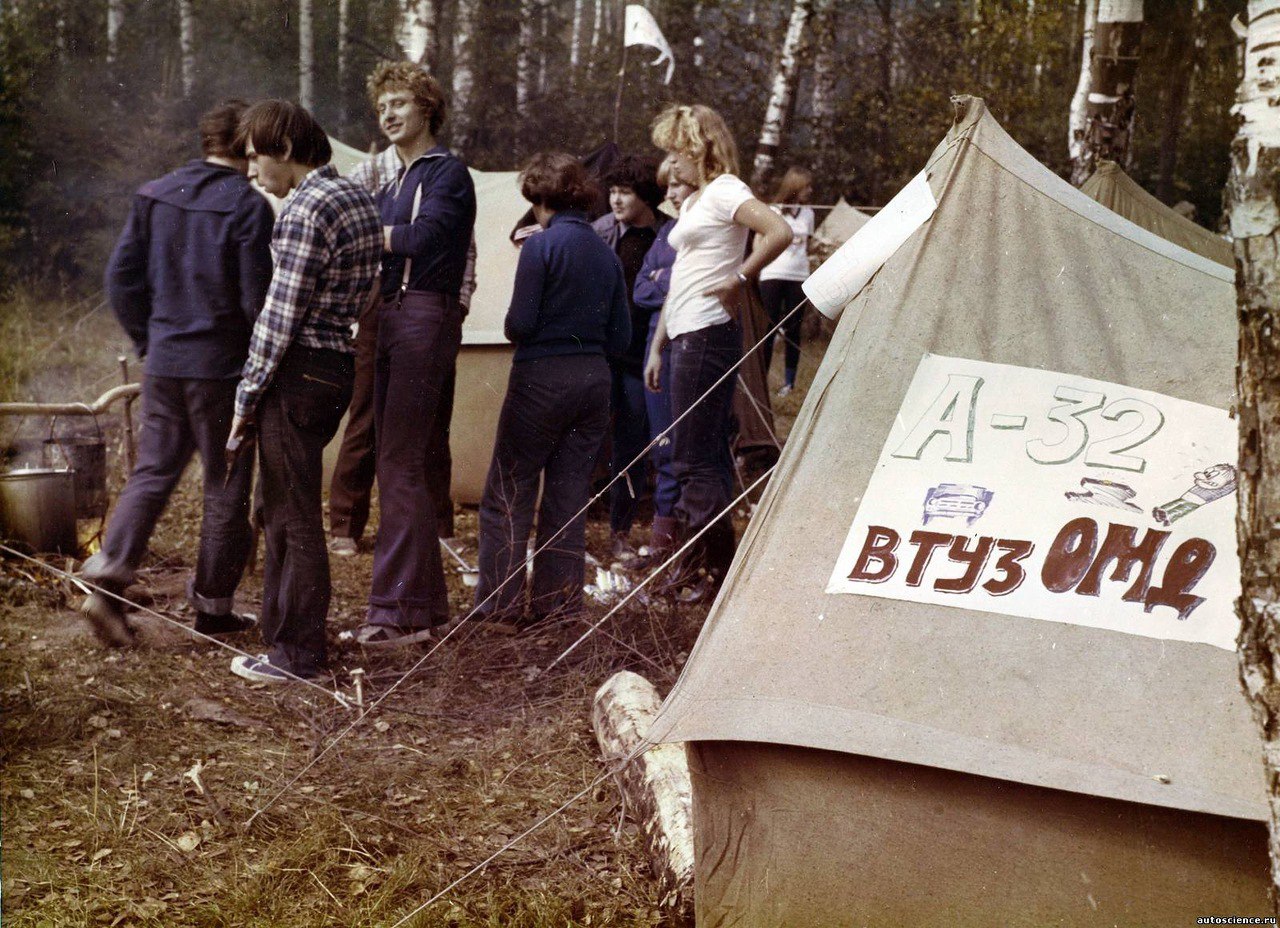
(575, 41)
(115, 19)
(466, 21)
(416, 32)
(784, 89)
(1079, 118)
(306, 55)
(1110, 103)
(526, 60)
(344, 40)
(187, 41)
(1253, 195)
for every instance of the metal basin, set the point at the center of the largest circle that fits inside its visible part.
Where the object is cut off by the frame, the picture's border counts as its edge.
(38, 509)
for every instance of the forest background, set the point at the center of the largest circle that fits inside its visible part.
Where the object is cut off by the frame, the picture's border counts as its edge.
(97, 96)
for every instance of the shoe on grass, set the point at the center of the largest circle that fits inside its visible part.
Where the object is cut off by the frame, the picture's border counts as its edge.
(219, 626)
(785, 389)
(389, 637)
(343, 547)
(260, 670)
(106, 617)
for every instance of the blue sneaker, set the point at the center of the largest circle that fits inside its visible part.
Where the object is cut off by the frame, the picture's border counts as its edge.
(260, 670)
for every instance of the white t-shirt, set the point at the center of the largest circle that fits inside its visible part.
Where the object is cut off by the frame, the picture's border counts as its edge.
(710, 247)
(792, 264)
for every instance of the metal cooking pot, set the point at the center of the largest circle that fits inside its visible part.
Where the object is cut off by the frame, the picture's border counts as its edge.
(38, 509)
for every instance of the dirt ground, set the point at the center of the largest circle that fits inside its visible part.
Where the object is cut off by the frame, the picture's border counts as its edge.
(127, 777)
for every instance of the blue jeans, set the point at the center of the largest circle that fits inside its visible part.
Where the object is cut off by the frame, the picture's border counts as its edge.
(779, 298)
(418, 341)
(630, 435)
(297, 417)
(666, 489)
(702, 458)
(179, 418)
(552, 423)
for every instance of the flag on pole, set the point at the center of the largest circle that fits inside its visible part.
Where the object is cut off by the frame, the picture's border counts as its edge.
(642, 29)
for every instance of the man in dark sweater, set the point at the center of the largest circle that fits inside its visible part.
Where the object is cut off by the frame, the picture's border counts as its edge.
(186, 280)
(630, 229)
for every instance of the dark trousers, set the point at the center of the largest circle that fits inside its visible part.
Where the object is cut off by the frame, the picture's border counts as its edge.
(630, 434)
(179, 418)
(666, 489)
(297, 416)
(351, 489)
(418, 341)
(779, 298)
(552, 422)
(702, 459)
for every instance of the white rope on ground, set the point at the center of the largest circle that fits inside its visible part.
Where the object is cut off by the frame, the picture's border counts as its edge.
(318, 756)
(611, 772)
(87, 585)
(663, 566)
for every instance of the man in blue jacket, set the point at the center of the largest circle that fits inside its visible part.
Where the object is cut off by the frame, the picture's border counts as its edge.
(186, 280)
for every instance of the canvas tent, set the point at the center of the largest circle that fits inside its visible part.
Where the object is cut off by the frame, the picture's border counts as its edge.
(485, 359)
(861, 760)
(839, 226)
(1120, 193)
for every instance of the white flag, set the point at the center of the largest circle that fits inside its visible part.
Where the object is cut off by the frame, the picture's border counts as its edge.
(642, 29)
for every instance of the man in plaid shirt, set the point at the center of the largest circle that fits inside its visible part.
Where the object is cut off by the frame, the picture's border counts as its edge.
(297, 381)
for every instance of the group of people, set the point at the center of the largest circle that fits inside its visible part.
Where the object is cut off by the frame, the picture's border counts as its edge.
(245, 320)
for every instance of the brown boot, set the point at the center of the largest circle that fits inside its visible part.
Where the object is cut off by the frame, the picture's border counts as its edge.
(106, 617)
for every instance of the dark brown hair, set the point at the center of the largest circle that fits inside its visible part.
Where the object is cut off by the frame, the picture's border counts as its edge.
(557, 181)
(277, 126)
(219, 130)
(639, 174)
(405, 75)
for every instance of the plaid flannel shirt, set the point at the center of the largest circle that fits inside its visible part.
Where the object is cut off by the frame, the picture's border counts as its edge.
(327, 247)
(386, 168)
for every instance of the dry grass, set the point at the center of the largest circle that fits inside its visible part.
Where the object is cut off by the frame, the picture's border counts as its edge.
(103, 826)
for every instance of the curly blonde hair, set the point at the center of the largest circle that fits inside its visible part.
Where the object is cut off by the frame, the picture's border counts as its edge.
(405, 75)
(700, 133)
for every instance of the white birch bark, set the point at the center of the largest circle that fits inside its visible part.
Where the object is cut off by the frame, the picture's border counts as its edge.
(1253, 197)
(575, 41)
(306, 55)
(822, 103)
(416, 31)
(595, 36)
(544, 20)
(465, 23)
(525, 58)
(1078, 115)
(187, 40)
(1110, 105)
(344, 38)
(784, 88)
(115, 19)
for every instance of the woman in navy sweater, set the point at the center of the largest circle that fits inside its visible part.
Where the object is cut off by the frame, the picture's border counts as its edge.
(568, 310)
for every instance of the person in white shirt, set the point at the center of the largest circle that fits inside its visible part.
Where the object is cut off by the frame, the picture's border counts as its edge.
(708, 293)
(780, 281)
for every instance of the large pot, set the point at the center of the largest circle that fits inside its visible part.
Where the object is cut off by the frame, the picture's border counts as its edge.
(38, 509)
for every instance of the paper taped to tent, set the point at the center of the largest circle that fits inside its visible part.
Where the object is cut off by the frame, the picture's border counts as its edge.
(484, 362)
(972, 662)
(1120, 193)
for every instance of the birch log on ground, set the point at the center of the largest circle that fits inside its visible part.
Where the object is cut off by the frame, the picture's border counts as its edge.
(1110, 103)
(655, 784)
(784, 89)
(1253, 196)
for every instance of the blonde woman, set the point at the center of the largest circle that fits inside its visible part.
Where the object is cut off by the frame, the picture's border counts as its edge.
(709, 282)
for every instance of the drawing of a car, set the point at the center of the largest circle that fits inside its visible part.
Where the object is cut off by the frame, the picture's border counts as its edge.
(956, 501)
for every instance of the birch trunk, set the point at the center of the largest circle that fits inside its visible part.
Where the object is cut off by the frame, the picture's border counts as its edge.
(344, 38)
(1079, 117)
(575, 41)
(1110, 105)
(115, 18)
(416, 34)
(544, 26)
(595, 37)
(525, 58)
(1253, 196)
(306, 56)
(464, 76)
(1180, 48)
(784, 88)
(823, 103)
(187, 39)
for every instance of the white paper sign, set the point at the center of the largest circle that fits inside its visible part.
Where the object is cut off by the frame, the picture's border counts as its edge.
(1050, 496)
(838, 280)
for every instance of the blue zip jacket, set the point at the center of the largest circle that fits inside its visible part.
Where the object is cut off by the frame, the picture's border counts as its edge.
(570, 296)
(191, 269)
(437, 240)
(654, 280)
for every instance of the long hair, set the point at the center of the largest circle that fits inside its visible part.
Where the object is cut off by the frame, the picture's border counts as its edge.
(271, 124)
(700, 133)
(792, 185)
